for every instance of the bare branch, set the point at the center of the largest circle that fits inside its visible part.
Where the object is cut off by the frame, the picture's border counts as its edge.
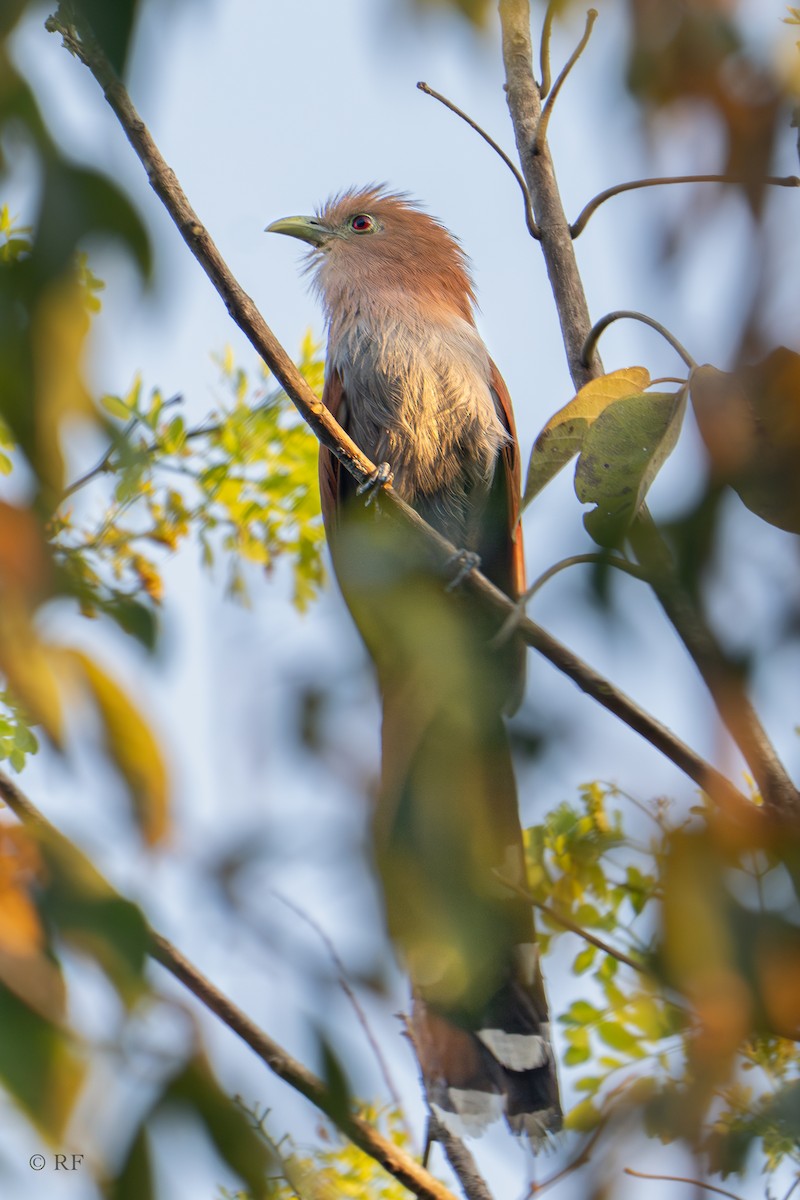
(360, 1132)
(544, 47)
(575, 560)
(579, 1161)
(698, 1183)
(525, 107)
(629, 314)
(569, 924)
(578, 226)
(529, 221)
(544, 120)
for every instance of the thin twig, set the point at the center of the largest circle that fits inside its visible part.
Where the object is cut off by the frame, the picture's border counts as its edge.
(529, 219)
(544, 120)
(622, 564)
(544, 47)
(792, 1188)
(360, 1132)
(349, 992)
(709, 1187)
(707, 778)
(629, 314)
(578, 226)
(579, 1161)
(569, 924)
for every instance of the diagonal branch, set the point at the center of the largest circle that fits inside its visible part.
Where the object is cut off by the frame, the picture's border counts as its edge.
(360, 1132)
(244, 312)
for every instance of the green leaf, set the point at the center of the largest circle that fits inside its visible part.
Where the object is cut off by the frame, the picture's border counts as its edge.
(618, 1037)
(563, 435)
(198, 1094)
(134, 1180)
(38, 1065)
(621, 456)
(584, 960)
(116, 407)
(133, 747)
(580, 1012)
(583, 1117)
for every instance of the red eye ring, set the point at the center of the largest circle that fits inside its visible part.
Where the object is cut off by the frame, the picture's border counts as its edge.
(362, 223)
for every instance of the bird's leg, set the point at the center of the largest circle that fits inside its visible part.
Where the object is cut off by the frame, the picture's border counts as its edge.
(373, 483)
(465, 561)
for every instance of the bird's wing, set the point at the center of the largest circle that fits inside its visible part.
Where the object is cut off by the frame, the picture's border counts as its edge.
(330, 469)
(512, 474)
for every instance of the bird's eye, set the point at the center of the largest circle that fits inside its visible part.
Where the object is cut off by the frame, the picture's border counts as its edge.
(362, 223)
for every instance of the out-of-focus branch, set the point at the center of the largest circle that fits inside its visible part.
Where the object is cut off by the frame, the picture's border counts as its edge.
(360, 1132)
(696, 1183)
(463, 1164)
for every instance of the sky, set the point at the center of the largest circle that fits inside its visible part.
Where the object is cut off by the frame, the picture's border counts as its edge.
(264, 109)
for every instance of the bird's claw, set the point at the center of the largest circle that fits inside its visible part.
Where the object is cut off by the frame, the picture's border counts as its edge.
(465, 562)
(373, 483)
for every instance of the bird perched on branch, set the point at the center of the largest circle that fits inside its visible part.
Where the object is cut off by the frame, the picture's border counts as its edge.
(409, 378)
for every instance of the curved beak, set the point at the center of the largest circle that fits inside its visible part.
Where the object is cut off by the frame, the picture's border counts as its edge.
(307, 229)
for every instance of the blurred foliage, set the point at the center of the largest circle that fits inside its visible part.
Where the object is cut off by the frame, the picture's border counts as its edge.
(242, 484)
(332, 1167)
(699, 1040)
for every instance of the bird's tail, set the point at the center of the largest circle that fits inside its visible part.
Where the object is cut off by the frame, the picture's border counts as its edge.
(448, 840)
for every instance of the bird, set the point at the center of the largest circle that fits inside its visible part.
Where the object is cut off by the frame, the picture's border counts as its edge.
(409, 378)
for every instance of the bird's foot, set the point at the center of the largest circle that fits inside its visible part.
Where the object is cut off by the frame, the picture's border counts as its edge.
(464, 562)
(373, 483)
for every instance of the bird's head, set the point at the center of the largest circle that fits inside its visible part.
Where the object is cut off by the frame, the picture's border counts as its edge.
(378, 241)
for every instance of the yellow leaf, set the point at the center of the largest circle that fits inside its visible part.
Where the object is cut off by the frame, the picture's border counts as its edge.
(30, 666)
(133, 747)
(59, 332)
(562, 437)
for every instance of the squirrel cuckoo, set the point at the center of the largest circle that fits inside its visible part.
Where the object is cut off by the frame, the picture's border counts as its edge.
(409, 378)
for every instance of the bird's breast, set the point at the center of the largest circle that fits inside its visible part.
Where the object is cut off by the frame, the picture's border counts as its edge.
(419, 397)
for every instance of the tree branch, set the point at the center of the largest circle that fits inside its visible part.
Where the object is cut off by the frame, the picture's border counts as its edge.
(360, 1132)
(525, 107)
(630, 314)
(698, 1183)
(579, 224)
(529, 221)
(544, 120)
(571, 925)
(461, 1161)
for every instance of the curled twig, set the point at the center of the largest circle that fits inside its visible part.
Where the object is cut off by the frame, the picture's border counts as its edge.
(544, 48)
(529, 218)
(622, 564)
(541, 129)
(591, 208)
(594, 334)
